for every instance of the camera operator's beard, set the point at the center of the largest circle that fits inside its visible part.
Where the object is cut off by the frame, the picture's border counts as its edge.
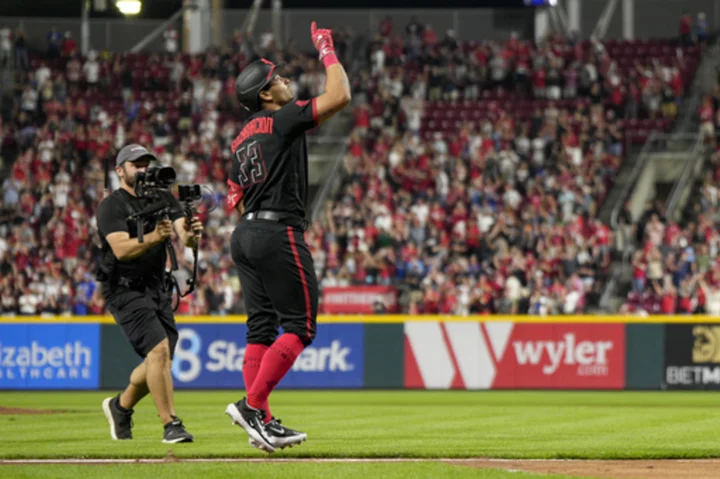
(130, 181)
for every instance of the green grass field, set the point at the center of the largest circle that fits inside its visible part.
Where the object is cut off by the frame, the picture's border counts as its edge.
(369, 424)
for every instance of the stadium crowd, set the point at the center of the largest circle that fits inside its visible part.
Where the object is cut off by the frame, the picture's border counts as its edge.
(676, 267)
(489, 210)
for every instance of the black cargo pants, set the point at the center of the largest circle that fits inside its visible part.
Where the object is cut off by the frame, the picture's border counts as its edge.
(145, 315)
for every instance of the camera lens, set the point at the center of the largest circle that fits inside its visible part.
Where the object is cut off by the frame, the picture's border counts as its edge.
(165, 175)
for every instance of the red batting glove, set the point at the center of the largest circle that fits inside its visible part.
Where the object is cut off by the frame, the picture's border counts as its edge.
(322, 39)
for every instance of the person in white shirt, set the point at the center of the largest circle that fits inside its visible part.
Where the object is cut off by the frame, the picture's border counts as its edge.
(91, 70)
(421, 210)
(5, 45)
(42, 74)
(46, 148)
(378, 60)
(28, 303)
(171, 40)
(28, 101)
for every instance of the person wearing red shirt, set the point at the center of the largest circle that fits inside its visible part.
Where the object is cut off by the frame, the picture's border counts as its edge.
(429, 36)
(431, 301)
(686, 21)
(639, 275)
(539, 82)
(69, 45)
(707, 113)
(668, 301)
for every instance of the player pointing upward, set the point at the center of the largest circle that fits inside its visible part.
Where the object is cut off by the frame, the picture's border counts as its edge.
(269, 179)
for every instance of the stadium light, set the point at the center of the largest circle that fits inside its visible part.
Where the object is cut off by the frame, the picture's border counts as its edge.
(129, 7)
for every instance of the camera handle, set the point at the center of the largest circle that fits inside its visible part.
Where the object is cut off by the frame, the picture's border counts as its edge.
(169, 245)
(192, 281)
(140, 229)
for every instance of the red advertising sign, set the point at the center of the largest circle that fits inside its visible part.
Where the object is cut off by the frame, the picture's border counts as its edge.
(507, 355)
(563, 356)
(359, 299)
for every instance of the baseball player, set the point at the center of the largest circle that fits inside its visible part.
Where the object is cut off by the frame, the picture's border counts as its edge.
(269, 185)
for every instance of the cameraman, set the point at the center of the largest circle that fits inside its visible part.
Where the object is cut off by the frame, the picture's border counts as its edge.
(137, 293)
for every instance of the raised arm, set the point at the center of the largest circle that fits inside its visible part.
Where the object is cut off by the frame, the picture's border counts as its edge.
(337, 86)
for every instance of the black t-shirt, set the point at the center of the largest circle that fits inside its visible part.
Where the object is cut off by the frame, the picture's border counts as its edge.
(270, 161)
(112, 217)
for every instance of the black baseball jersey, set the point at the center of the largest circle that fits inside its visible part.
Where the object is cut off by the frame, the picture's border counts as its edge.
(270, 162)
(112, 217)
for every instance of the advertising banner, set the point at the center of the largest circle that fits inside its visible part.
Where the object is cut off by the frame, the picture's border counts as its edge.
(692, 356)
(118, 358)
(506, 355)
(359, 299)
(644, 356)
(211, 356)
(49, 356)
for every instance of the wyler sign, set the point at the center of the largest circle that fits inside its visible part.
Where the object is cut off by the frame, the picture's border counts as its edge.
(692, 356)
(564, 356)
(498, 355)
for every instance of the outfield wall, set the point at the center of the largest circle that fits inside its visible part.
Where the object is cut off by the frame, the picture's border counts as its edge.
(386, 352)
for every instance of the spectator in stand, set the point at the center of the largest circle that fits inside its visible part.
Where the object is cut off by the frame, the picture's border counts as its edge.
(69, 45)
(707, 114)
(54, 43)
(171, 40)
(91, 71)
(686, 25)
(21, 52)
(701, 28)
(6, 42)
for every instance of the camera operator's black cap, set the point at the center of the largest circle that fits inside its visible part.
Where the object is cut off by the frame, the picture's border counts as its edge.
(133, 153)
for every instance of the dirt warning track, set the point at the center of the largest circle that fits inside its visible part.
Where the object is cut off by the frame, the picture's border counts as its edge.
(631, 469)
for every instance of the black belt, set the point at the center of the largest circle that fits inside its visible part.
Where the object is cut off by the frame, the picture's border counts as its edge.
(290, 220)
(141, 284)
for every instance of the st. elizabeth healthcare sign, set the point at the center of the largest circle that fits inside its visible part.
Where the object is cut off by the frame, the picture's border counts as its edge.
(49, 356)
(505, 355)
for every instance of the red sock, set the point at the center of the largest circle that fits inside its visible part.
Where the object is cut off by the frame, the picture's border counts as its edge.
(275, 364)
(251, 365)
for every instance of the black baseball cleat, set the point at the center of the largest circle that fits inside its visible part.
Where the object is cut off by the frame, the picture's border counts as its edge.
(175, 432)
(281, 436)
(251, 420)
(120, 420)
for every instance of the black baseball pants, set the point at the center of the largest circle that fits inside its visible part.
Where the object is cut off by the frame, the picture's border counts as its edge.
(278, 280)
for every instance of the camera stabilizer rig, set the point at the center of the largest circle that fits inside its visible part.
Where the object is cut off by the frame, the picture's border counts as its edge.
(153, 185)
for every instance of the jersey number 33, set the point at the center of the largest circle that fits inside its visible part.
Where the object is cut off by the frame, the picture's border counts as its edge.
(252, 166)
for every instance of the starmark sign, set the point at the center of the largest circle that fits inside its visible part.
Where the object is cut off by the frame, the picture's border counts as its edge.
(497, 355)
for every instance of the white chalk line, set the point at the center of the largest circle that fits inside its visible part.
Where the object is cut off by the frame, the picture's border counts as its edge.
(330, 460)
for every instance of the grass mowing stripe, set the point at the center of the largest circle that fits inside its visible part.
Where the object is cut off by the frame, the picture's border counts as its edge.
(376, 424)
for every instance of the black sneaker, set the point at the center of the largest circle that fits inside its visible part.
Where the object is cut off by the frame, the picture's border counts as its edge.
(251, 420)
(281, 436)
(120, 420)
(175, 432)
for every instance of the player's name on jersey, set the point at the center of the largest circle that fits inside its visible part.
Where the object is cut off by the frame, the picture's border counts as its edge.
(257, 126)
